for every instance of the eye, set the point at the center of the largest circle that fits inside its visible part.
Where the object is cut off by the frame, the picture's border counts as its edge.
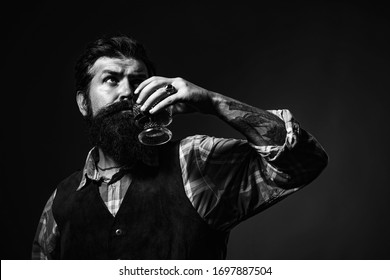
(111, 80)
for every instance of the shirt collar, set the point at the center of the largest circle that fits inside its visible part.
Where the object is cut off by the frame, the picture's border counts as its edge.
(91, 172)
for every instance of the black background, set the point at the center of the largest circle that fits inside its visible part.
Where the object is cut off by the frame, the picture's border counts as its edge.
(328, 62)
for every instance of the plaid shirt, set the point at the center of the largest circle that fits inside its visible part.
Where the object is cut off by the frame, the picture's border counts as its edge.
(226, 180)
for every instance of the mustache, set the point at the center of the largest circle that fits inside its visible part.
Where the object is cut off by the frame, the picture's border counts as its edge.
(114, 108)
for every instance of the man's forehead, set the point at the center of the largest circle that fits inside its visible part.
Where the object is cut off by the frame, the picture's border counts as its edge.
(118, 65)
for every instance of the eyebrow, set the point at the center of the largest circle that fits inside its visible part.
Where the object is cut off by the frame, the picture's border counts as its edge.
(113, 72)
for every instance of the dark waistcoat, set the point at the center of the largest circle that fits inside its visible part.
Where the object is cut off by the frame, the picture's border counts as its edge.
(155, 221)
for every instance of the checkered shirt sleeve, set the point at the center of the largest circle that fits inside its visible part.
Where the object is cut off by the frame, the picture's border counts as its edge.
(230, 180)
(47, 234)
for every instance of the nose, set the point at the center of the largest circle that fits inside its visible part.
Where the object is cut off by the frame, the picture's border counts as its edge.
(125, 91)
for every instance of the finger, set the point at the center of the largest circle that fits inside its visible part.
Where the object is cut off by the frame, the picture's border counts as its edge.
(163, 104)
(158, 95)
(149, 86)
(143, 84)
(146, 88)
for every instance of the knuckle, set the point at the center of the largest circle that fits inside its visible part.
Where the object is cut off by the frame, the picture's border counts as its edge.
(179, 80)
(153, 82)
(169, 100)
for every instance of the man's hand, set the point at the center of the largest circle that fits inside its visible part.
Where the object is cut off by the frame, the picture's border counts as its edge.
(188, 98)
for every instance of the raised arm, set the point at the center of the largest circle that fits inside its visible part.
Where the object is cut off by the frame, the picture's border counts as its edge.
(260, 127)
(275, 134)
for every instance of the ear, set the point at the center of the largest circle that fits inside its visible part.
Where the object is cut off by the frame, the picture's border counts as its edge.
(82, 103)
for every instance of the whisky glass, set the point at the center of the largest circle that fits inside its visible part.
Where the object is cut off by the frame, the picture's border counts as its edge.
(154, 126)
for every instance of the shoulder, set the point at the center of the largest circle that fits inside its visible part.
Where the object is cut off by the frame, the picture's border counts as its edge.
(201, 149)
(189, 146)
(72, 181)
(195, 142)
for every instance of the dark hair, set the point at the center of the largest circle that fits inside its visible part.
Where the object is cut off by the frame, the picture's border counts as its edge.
(113, 47)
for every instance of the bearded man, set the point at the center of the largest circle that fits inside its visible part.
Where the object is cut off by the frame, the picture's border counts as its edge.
(179, 200)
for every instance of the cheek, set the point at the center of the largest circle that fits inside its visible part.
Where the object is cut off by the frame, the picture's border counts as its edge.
(99, 99)
(97, 104)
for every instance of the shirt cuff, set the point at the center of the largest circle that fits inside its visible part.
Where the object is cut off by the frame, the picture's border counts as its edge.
(272, 152)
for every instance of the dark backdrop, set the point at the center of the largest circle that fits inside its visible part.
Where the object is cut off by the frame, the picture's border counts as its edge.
(326, 62)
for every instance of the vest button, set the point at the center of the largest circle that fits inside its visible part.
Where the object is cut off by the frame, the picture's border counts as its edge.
(119, 232)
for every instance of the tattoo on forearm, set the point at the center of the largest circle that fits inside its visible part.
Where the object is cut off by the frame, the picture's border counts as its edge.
(261, 127)
(234, 105)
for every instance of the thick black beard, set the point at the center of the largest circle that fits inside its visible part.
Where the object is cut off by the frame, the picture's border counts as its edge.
(113, 130)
